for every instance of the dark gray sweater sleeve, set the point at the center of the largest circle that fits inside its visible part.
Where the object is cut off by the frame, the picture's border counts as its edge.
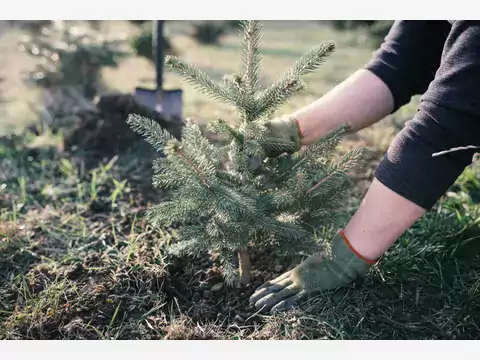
(442, 62)
(409, 57)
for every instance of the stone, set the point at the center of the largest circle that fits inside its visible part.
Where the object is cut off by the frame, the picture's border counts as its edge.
(238, 318)
(217, 287)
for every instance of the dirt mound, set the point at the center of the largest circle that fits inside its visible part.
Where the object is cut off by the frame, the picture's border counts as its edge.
(98, 128)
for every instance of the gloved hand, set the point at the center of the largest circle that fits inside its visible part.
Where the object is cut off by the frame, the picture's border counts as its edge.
(286, 133)
(312, 276)
(284, 128)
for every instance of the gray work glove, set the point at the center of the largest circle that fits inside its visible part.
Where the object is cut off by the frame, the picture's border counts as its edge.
(313, 276)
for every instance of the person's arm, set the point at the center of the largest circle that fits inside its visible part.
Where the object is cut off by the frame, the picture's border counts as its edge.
(409, 179)
(403, 67)
(359, 101)
(448, 117)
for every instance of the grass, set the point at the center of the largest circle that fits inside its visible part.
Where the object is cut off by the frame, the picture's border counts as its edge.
(78, 261)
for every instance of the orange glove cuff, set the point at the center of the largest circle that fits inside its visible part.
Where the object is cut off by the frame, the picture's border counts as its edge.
(300, 133)
(371, 262)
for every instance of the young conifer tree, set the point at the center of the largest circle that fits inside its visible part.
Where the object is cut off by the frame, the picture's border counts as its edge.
(243, 197)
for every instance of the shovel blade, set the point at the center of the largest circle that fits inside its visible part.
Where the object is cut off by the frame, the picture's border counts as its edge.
(166, 102)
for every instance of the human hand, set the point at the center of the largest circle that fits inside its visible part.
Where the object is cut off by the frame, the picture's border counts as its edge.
(283, 135)
(315, 275)
(285, 129)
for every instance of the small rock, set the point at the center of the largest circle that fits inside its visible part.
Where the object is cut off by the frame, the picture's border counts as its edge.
(207, 294)
(217, 287)
(278, 268)
(75, 324)
(238, 318)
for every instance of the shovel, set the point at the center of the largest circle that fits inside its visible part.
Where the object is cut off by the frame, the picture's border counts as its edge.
(165, 102)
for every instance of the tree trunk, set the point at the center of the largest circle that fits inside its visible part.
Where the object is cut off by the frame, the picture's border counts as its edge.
(244, 266)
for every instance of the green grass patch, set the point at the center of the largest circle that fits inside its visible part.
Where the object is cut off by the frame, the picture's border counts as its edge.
(78, 261)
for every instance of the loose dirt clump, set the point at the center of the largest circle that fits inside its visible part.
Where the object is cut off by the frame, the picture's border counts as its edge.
(99, 128)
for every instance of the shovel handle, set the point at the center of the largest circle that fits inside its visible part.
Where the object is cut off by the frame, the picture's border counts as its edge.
(159, 57)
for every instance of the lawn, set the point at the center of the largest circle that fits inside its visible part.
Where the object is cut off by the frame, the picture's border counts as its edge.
(79, 261)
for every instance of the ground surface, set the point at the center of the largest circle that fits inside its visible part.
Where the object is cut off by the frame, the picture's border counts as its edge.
(78, 261)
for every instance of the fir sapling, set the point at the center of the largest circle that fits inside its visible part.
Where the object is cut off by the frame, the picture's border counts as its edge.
(245, 197)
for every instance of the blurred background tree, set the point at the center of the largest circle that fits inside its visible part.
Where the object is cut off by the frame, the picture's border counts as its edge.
(209, 32)
(69, 53)
(375, 29)
(142, 44)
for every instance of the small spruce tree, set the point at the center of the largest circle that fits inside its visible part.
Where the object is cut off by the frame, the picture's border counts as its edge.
(244, 198)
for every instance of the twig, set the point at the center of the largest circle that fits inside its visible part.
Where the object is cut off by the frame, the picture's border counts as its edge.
(195, 168)
(469, 147)
(322, 181)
